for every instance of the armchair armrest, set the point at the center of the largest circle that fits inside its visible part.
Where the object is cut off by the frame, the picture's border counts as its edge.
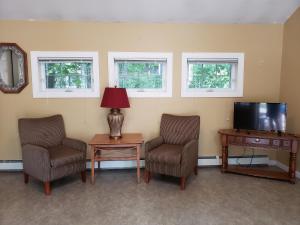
(75, 144)
(155, 142)
(189, 156)
(36, 161)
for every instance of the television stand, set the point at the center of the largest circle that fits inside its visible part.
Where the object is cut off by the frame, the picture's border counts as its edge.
(260, 139)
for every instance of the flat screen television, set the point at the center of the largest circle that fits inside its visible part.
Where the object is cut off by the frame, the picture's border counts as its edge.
(260, 116)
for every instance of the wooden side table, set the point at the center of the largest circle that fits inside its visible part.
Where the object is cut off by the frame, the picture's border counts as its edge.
(103, 142)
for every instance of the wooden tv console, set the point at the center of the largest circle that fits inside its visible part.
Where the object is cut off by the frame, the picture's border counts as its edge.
(269, 140)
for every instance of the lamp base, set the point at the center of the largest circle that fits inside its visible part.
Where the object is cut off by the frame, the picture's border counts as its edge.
(115, 121)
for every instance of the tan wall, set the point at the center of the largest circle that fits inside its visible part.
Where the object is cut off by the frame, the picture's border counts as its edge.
(290, 77)
(262, 45)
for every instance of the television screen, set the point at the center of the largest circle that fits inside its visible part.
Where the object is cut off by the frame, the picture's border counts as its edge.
(260, 116)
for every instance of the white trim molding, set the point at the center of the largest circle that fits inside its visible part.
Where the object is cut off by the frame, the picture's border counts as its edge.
(237, 74)
(285, 168)
(8, 165)
(17, 165)
(38, 89)
(233, 160)
(166, 90)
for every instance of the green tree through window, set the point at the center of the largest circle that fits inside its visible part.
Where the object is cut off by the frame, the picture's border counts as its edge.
(140, 74)
(70, 74)
(209, 75)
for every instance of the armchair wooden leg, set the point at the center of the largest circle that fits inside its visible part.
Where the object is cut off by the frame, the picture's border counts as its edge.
(196, 170)
(83, 176)
(26, 178)
(182, 183)
(147, 176)
(47, 188)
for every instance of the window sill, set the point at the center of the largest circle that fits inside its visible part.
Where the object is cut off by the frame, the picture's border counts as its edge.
(213, 94)
(140, 94)
(65, 94)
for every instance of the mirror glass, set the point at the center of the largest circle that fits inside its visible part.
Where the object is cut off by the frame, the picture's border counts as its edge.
(13, 68)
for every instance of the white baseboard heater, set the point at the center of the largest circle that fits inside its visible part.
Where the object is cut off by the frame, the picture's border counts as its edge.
(205, 161)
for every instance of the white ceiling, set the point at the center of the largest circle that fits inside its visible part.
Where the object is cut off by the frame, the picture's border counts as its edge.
(182, 11)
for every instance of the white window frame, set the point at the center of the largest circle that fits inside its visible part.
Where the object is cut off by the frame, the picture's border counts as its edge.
(140, 93)
(235, 91)
(38, 82)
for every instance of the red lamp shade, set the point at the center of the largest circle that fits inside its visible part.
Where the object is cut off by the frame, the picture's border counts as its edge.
(115, 98)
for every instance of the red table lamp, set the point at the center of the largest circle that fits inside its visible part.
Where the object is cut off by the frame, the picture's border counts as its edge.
(115, 98)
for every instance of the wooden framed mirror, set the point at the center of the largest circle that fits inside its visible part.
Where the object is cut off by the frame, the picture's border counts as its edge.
(13, 68)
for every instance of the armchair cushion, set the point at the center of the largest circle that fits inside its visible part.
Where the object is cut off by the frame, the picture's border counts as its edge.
(45, 132)
(62, 155)
(166, 154)
(36, 161)
(153, 143)
(189, 157)
(179, 129)
(75, 144)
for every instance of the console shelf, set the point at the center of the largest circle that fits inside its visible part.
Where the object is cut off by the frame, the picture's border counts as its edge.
(259, 172)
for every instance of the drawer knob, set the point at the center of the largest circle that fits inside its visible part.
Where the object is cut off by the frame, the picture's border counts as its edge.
(257, 139)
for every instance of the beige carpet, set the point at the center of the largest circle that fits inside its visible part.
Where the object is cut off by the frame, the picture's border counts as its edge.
(210, 198)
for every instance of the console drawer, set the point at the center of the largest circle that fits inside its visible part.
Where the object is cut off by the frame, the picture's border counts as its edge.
(257, 141)
(287, 144)
(276, 143)
(235, 140)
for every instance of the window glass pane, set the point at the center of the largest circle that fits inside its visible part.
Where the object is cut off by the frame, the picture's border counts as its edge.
(67, 74)
(140, 74)
(209, 75)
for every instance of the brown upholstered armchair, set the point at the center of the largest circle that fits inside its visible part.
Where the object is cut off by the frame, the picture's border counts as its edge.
(47, 153)
(175, 151)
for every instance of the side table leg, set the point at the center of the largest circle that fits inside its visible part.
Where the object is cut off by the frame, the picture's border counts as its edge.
(99, 162)
(292, 167)
(138, 172)
(92, 165)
